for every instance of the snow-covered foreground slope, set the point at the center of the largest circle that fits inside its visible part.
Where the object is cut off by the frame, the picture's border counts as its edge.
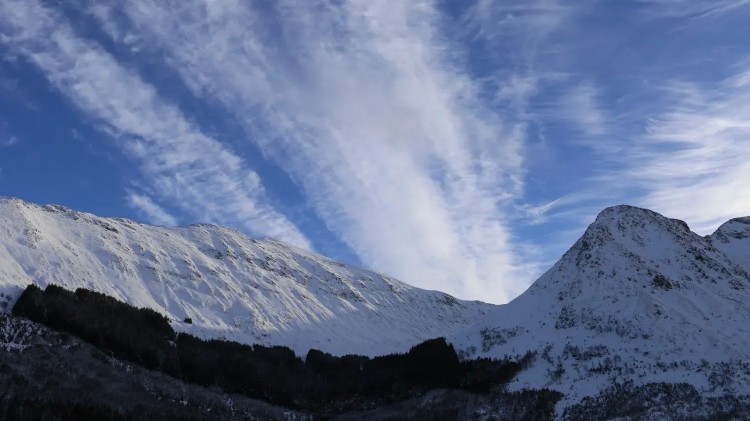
(639, 298)
(229, 285)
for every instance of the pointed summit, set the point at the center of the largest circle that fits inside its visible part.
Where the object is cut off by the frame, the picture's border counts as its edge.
(637, 293)
(626, 216)
(628, 250)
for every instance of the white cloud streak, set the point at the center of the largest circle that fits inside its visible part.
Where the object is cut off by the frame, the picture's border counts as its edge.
(365, 109)
(691, 8)
(695, 157)
(10, 141)
(150, 209)
(529, 22)
(690, 164)
(410, 160)
(580, 105)
(6, 139)
(195, 172)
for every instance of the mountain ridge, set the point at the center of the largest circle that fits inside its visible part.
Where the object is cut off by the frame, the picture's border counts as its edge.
(731, 238)
(231, 286)
(638, 299)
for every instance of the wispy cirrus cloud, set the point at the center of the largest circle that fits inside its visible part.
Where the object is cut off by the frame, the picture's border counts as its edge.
(630, 135)
(6, 138)
(671, 134)
(150, 209)
(694, 159)
(530, 22)
(181, 164)
(519, 45)
(691, 8)
(676, 139)
(456, 145)
(366, 107)
(10, 141)
(580, 106)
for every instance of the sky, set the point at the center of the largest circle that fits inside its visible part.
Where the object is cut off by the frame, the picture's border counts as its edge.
(457, 145)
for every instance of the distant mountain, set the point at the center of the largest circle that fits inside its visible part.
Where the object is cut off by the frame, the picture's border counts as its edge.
(733, 239)
(230, 286)
(638, 299)
(639, 317)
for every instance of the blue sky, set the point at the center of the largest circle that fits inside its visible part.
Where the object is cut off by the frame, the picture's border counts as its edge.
(456, 145)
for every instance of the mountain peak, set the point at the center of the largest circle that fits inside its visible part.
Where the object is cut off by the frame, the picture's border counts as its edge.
(9, 200)
(624, 216)
(629, 251)
(634, 229)
(637, 293)
(737, 228)
(733, 238)
(620, 209)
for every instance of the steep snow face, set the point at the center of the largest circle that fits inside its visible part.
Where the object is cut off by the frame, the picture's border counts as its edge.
(638, 297)
(229, 285)
(733, 238)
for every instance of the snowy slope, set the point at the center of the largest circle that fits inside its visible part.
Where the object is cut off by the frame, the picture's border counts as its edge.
(733, 239)
(639, 297)
(231, 286)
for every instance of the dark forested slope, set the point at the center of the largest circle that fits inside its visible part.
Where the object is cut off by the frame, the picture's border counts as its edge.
(320, 384)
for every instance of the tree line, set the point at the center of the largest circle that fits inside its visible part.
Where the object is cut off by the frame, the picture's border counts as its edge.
(320, 383)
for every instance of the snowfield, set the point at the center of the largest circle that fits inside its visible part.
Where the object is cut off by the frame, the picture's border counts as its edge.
(638, 299)
(233, 287)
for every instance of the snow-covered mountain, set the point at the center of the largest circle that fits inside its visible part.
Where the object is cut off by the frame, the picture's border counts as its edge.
(733, 239)
(251, 291)
(639, 297)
